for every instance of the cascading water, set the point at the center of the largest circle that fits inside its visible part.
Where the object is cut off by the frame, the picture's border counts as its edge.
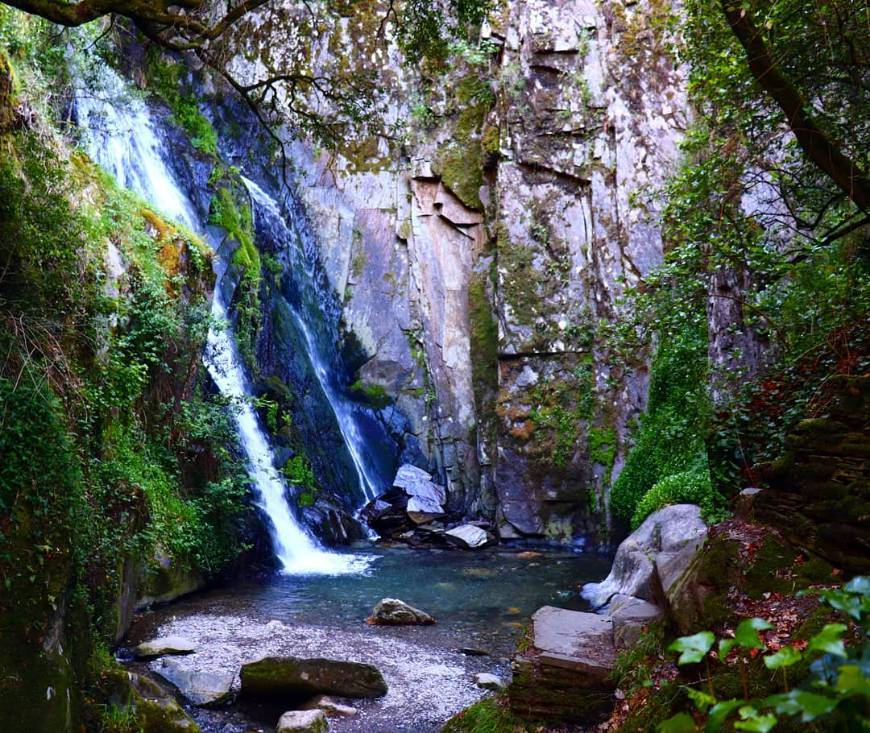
(123, 139)
(344, 411)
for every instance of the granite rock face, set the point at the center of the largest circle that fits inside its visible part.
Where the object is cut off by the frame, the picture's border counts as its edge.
(476, 257)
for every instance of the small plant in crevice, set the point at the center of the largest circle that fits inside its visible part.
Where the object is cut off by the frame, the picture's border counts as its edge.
(837, 689)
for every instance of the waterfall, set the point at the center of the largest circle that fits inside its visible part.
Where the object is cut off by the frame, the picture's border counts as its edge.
(343, 410)
(123, 138)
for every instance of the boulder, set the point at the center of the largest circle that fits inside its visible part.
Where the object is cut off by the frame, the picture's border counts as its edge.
(331, 707)
(416, 482)
(566, 674)
(152, 708)
(487, 681)
(164, 646)
(664, 544)
(423, 509)
(426, 498)
(630, 616)
(302, 721)
(295, 677)
(469, 536)
(393, 612)
(200, 687)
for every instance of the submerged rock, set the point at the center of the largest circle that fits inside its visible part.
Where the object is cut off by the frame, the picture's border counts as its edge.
(566, 675)
(302, 721)
(469, 536)
(164, 646)
(656, 553)
(487, 681)
(200, 687)
(301, 678)
(393, 612)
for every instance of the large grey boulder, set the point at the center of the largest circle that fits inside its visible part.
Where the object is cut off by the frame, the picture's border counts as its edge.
(297, 677)
(655, 553)
(469, 536)
(200, 687)
(163, 646)
(302, 721)
(394, 612)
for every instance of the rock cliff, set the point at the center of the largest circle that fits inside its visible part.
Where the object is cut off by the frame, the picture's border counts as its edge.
(480, 249)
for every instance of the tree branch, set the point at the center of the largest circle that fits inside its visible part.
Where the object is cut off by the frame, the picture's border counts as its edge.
(819, 147)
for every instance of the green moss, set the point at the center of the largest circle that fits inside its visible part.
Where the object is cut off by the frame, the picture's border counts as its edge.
(374, 395)
(165, 79)
(491, 715)
(461, 169)
(484, 351)
(669, 445)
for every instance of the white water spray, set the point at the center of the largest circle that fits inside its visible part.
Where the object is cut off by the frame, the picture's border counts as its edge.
(122, 138)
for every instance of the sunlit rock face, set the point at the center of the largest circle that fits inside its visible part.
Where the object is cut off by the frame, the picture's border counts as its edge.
(478, 250)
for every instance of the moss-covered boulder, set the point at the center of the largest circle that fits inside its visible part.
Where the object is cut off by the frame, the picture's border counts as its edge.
(293, 678)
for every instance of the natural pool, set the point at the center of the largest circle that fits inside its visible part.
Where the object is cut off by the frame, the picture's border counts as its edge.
(482, 601)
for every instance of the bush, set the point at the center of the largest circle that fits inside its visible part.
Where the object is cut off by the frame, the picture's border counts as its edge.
(687, 487)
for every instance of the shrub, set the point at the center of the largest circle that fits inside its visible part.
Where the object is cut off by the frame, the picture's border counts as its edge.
(686, 487)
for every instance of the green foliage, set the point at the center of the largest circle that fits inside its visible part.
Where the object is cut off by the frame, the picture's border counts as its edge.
(427, 29)
(838, 684)
(687, 487)
(668, 461)
(491, 715)
(165, 78)
(298, 471)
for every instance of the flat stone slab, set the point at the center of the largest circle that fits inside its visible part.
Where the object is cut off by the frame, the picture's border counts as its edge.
(574, 640)
(163, 646)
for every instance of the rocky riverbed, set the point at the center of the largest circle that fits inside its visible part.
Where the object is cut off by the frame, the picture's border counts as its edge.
(482, 602)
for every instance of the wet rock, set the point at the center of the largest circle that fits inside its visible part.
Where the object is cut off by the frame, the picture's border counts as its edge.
(655, 553)
(331, 707)
(164, 646)
(393, 612)
(302, 678)
(422, 509)
(200, 687)
(630, 616)
(487, 681)
(302, 721)
(469, 536)
(566, 675)
(413, 500)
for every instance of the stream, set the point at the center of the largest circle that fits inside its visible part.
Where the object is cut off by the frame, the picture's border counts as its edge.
(481, 600)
